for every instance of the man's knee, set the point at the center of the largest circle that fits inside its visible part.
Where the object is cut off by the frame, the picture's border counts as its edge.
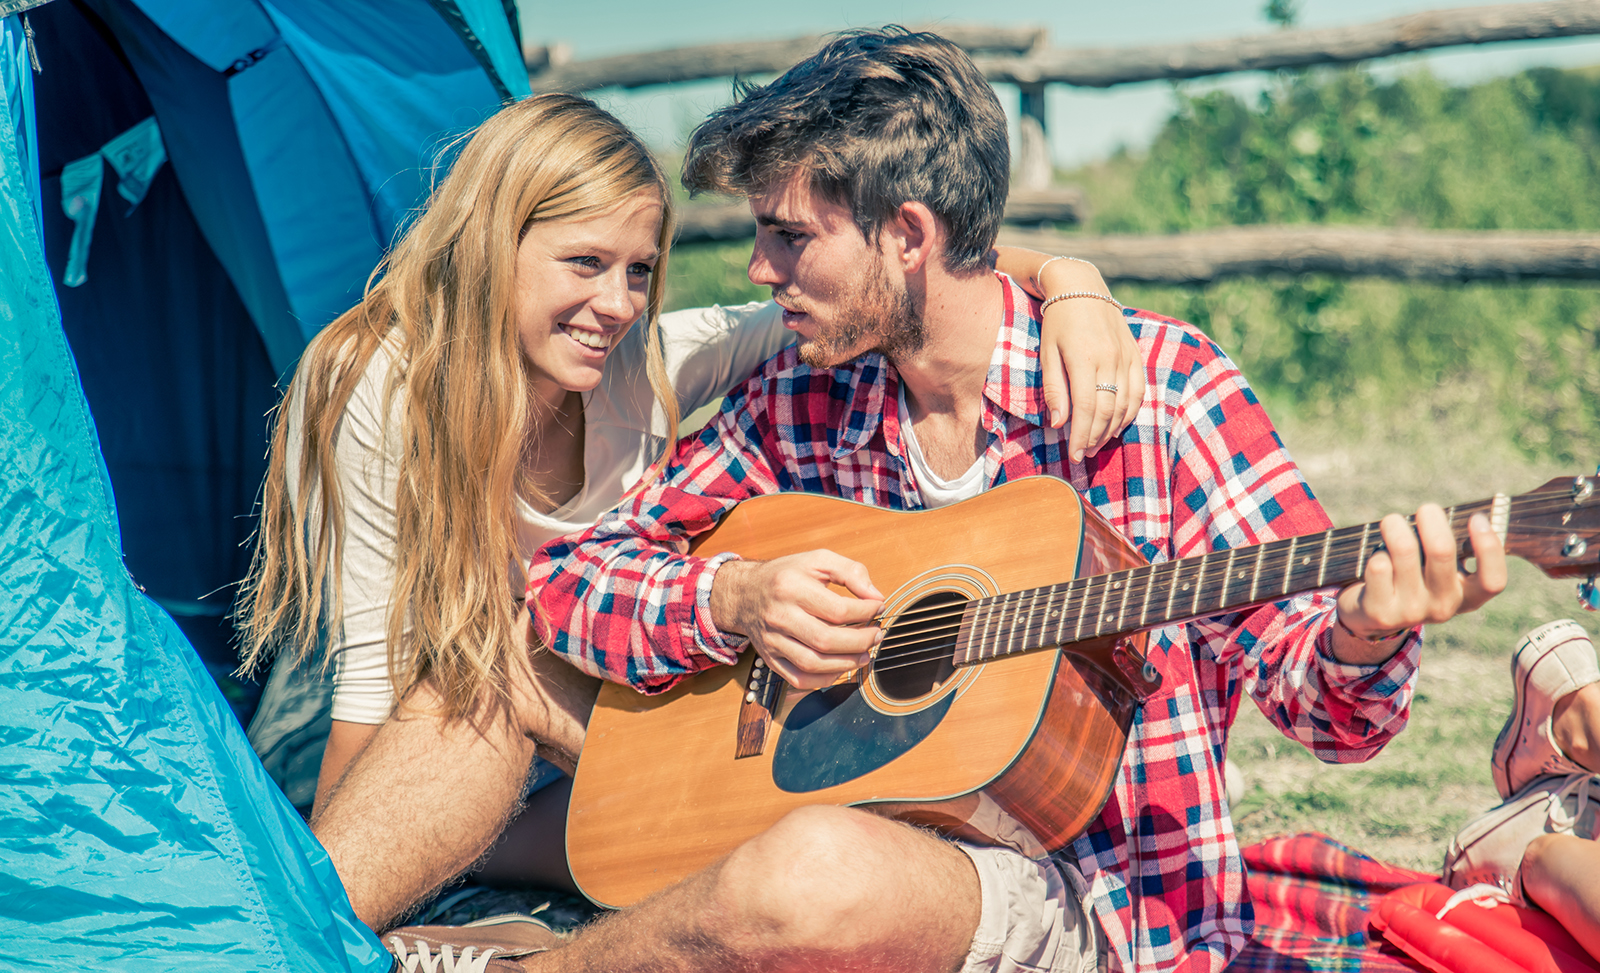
(822, 877)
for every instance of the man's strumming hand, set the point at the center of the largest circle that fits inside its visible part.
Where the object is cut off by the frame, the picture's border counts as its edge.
(808, 633)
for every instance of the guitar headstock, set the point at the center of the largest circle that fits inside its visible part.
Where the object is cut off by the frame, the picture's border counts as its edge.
(1557, 527)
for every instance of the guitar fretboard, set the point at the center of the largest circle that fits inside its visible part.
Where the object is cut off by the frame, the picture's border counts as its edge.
(1154, 595)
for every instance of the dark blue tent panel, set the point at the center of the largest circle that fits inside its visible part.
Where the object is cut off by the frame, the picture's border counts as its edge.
(137, 828)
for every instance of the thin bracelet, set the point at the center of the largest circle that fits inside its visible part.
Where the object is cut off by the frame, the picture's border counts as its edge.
(1071, 294)
(1039, 275)
(1374, 640)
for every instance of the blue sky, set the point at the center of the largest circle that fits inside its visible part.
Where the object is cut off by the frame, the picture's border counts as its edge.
(1085, 124)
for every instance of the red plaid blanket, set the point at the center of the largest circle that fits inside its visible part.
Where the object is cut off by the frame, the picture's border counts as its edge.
(1311, 897)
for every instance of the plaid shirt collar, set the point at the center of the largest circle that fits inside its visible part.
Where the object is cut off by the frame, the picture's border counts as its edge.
(1012, 385)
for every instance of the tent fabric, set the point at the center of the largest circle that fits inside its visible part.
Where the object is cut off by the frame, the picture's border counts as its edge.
(16, 56)
(138, 830)
(173, 367)
(334, 114)
(299, 137)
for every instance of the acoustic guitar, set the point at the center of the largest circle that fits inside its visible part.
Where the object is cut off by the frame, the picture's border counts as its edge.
(969, 719)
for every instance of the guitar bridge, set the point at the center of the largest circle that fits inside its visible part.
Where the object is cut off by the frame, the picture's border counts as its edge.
(755, 713)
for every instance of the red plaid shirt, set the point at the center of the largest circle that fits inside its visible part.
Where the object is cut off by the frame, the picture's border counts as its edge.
(1200, 469)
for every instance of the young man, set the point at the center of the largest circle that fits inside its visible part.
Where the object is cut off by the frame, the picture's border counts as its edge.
(877, 173)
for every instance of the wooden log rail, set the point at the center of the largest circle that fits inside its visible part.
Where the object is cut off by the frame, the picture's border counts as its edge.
(1447, 255)
(734, 58)
(1018, 55)
(1103, 68)
(704, 223)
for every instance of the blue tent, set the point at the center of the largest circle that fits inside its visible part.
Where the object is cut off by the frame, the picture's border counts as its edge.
(219, 178)
(205, 183)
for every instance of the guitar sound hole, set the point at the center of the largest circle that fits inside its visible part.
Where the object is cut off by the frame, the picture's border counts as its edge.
(914, 658)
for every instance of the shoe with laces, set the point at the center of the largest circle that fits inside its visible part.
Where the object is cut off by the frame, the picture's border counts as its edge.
(1550, 662)
(492, 945)
(1489, 851)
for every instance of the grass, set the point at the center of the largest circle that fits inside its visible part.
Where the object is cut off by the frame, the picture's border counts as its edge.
(1405, 804)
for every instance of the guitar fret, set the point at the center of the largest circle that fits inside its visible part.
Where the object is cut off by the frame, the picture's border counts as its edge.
(1361, 555)
(1199, 583)
(981, 650)
(1122, 606)
(1227, 579)
(1061, 612)
(1009, 626)
(1255, 580)
(1105, 598)
(1149, 587)
(1083, 609)
(1002, 630)
(1172, 587)
(1033, 613)
(1288, 571)
(1322, 571)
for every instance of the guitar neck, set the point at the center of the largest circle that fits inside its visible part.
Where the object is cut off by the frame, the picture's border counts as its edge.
(1155, 595)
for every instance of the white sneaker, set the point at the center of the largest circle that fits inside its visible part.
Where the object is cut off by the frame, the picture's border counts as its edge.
(1550, 662)
(1489, 850)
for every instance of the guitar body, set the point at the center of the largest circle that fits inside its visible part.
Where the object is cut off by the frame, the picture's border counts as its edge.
(1021, 750)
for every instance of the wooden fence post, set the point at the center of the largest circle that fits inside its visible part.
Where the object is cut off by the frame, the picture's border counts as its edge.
(1033, 166)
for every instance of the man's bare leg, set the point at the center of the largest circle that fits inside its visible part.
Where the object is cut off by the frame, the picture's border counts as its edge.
(824, 889)
(428, 796)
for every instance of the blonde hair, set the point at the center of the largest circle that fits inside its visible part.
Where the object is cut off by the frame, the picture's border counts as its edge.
(442, 301)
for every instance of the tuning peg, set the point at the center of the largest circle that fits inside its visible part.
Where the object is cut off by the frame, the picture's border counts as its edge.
(1589, 594)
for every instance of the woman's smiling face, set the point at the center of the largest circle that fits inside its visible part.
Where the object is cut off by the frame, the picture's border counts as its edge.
(580, 285)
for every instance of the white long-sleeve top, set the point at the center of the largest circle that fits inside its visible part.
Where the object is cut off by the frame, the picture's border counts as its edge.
(707, 351)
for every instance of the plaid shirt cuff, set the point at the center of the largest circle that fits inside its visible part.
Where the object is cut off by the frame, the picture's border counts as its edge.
(708, 639)
(1380, 681)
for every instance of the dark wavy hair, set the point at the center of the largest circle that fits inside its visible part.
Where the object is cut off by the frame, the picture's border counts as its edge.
(875, 119)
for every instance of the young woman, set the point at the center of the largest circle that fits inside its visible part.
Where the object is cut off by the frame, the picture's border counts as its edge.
(505, 379)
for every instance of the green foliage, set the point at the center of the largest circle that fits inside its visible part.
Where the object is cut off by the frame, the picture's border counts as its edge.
(710, 273)
(1281, 12)
(1340, 147)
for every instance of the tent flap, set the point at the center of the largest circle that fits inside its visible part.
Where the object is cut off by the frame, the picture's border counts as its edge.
(139, 831)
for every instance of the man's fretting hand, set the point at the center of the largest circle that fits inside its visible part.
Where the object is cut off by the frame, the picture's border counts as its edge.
(809, 634)
(1415, 580)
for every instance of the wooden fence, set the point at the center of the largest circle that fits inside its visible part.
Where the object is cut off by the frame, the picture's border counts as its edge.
(1445, 255)
(1024, 57)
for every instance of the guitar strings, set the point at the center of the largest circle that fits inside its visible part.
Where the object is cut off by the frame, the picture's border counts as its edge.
(1086, 587)
(1035, 629)
(1350, 532)
(1152, 577)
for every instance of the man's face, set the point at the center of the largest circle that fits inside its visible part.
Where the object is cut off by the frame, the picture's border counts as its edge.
(834, 286)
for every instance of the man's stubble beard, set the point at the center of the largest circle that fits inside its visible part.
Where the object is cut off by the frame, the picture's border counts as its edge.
(875, 317)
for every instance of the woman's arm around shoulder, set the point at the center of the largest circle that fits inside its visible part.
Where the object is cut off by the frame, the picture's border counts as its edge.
(1093, 370)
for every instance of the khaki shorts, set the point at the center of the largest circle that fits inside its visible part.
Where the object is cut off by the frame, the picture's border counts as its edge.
(1033, 921)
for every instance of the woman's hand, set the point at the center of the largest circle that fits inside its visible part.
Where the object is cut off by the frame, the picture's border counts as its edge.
(1085, 346)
